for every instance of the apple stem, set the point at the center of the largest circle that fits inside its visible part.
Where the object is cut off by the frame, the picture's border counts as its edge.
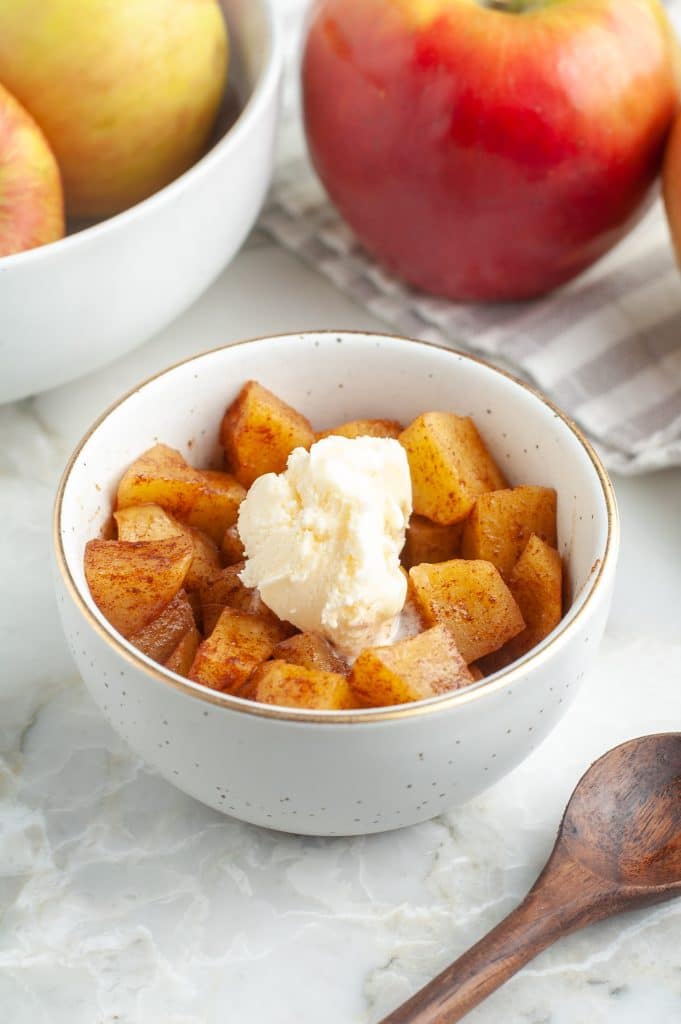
(508, 6)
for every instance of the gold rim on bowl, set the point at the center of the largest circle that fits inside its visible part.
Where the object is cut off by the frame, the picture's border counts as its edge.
(504, 677)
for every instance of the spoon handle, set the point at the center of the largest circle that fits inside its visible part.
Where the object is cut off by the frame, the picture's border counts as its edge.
(564, 898)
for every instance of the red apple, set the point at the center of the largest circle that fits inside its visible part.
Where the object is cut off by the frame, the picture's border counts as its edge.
(489, 150)
(31, 202)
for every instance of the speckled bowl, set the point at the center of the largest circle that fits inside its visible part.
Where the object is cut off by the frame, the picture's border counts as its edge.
(338, 773)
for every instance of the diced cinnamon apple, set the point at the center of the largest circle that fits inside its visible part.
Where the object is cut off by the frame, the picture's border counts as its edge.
(259, 431)
(427, 541)
(294, 686)
(161, 476)
(182, 657)
(226, 590)
(159, 639)
(231, 547)
(133, 582)
(246, 690)
(146, 522)
(471, 598)
(365, 428)
(206, 562)
(309, 650)
(151, 522)
(536, 582)
(423, 666)
(501, 522)
(235, 647)
(449, 464)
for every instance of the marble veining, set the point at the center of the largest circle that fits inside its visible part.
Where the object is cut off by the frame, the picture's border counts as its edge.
(122, 900)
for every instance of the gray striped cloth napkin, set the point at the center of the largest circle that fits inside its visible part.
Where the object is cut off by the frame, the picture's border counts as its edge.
(606, 348)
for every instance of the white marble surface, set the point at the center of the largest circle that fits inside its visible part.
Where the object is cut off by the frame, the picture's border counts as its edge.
(123, 900)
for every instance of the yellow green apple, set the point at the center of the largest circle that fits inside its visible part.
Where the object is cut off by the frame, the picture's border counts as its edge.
(125, 92)
(31, 201)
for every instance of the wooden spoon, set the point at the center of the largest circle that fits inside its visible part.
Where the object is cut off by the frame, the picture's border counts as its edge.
(618, 848)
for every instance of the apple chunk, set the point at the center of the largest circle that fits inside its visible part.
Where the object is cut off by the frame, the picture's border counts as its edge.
(182, 656)
(146, 522)
(151, 522)
(310, 651)
(423, 666)
(427, 541)
(161, 476)
(449, 466)
(227, 590)
(365, 428)
(259, 432)
(296, 687)
(501, 523)
(159, 639)
(231, 547)
(471, 598)
(237, 644)
(132, 582)
(536, 583)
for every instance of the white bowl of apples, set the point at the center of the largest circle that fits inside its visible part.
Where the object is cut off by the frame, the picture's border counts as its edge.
(187, 117)
(238, 716)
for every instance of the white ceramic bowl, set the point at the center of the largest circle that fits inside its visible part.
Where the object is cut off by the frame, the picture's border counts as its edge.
(79, 303)
(338, 773)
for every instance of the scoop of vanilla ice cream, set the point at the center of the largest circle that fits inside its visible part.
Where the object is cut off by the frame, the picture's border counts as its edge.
(323, 539)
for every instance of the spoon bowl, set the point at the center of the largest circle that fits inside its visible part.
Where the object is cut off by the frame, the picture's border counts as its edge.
(622, 821)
